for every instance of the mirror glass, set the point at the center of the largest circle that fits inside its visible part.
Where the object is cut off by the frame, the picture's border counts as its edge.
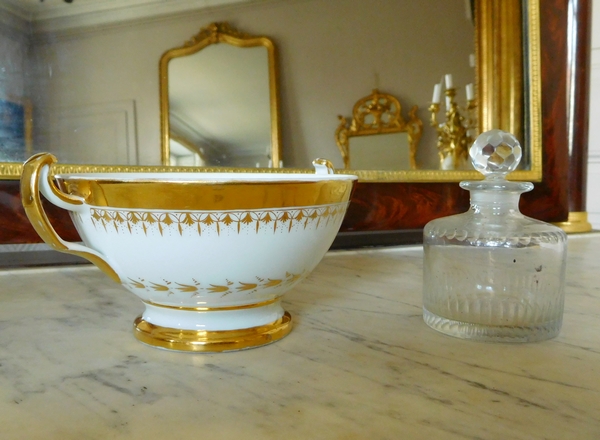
(217, 103)
(455, 115)
(380, 152)
(82, 80)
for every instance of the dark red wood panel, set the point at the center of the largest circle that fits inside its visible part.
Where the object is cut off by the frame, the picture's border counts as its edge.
(549, 201)
(578, 101)
(391, 206)
(15, 227)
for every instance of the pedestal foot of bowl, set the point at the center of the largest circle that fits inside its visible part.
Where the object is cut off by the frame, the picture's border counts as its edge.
(208, 341)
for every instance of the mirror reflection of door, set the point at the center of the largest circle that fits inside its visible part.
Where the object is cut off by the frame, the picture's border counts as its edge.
(219, 104)
(184, 154)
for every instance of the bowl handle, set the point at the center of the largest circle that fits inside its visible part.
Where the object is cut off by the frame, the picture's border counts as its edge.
(323, 166)
(35, 179)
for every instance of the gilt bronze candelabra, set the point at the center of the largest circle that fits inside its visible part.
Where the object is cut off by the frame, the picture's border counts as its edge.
(455, 135)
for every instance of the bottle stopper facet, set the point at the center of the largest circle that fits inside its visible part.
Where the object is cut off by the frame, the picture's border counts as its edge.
(495, 153)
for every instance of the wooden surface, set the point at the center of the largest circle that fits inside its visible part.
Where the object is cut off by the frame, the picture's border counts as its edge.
(409, 206)
(549, 200)
(393, 206)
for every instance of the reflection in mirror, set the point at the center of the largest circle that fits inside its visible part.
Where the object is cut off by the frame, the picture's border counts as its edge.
(502, 69)
(15, 129)
(506, 62)
(89, 70)
(219, 101)
(384, 151)
(183, 153)
(378, 137)
(456, 134)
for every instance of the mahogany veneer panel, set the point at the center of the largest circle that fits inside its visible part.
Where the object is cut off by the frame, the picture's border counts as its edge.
(578, 100)
(14, 224)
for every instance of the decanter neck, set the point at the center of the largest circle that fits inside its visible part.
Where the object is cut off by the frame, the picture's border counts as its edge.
(496, 197)
(495, 202)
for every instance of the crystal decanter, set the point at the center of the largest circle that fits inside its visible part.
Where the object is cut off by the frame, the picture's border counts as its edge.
(491, 273)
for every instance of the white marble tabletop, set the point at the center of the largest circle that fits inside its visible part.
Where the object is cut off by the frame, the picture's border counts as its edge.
(359, 364)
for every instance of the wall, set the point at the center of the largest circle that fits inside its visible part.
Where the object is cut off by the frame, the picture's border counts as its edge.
(13, 65)
(593, 186)
(331, 54)
(13, 47)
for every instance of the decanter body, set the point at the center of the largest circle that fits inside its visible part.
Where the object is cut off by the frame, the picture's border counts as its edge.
(493, 274)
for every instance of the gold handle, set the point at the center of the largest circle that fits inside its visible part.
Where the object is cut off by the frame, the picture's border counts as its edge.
(323, 166)
(36, 172)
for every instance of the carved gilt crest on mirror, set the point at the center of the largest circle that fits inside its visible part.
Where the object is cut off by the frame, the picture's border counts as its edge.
(381, 137)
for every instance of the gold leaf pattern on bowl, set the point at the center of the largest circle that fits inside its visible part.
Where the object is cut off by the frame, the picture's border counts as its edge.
(182, 221)
(226, 288)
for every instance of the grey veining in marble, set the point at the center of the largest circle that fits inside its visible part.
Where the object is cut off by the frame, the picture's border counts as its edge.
(359, 364)
(24, 247)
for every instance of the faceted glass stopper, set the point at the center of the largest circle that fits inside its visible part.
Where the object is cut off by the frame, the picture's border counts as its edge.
(495, 153)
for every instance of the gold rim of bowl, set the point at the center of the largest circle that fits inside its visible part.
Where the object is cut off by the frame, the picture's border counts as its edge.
(196, 195)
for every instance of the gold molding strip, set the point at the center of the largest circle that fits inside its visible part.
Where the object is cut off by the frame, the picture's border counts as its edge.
(13, 170)
(500, 66)
(577, 222)
(501, 83)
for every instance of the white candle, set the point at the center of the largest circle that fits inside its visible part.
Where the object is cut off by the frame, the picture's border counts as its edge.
(470, 94)
(437, 92)
(472, 60)
(448, 103)
(449, 81)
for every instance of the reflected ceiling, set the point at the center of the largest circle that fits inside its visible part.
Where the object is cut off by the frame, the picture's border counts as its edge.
(57, 14)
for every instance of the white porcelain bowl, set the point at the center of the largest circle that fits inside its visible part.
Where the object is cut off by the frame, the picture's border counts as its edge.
(209, 254)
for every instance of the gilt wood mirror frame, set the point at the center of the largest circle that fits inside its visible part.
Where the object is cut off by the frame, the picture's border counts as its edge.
(202, 73)
(374, 116)
(382, 210)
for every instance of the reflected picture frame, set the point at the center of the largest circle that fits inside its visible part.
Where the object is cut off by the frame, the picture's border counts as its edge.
(15, 130)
